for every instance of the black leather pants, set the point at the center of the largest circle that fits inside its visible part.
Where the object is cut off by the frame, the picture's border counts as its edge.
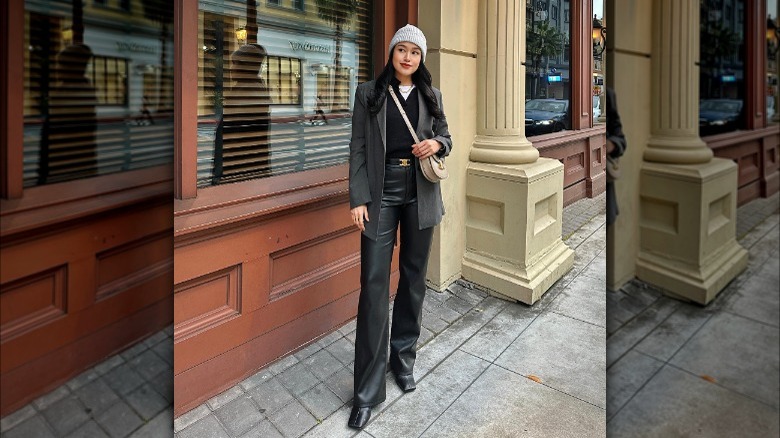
(399, 205)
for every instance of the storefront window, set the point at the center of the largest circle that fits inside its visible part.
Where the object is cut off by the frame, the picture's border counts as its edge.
(599, 56)
(548, 71)
(772, 64)
(276, 85)
(98, 89)
(722, 66)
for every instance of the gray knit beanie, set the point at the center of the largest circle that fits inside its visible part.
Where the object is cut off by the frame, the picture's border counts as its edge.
(411, 34)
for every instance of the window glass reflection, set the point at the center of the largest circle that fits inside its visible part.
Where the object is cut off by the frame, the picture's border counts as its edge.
(98, 95)
(276, 84)
(548, 81)
(772, 65)
(722, 66)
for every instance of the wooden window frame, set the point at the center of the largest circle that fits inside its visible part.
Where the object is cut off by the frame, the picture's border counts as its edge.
(24, 209)
(199, 209)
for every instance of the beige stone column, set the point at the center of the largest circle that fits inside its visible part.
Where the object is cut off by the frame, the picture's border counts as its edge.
(688, 199)
(514, 199)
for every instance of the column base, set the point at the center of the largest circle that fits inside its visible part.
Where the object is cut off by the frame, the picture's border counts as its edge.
(503, 149)
(687, 228)
(513, 229)
(515, 283)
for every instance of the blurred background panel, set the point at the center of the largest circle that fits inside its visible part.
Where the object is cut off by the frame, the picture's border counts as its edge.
(86, 213)
(693, 308)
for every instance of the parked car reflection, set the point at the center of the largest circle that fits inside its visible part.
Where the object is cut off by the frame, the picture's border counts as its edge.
(543, 116)
(719, 115)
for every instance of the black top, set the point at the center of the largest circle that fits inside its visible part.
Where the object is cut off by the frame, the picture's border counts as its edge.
(399, 139)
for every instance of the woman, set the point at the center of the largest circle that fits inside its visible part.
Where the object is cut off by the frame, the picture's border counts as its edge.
(386, 188)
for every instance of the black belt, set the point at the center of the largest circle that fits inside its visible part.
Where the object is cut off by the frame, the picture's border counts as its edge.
(404, 162)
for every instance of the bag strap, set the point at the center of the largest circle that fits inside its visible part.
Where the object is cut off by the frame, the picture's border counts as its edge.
(403, 113)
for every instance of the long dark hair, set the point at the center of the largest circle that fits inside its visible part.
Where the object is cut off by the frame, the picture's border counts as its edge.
(421, 79)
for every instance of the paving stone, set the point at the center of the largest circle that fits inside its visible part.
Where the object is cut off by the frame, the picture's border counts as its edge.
(433, 322)
(54, 396)
(435, 351)
(147, 402)
(329, 338)
(190, 417)
(676, 404)
(163, 384)
(441, 311)
(583, 299)
(349, 327)
(626, 377)
(759, 300)
(457, 304)
(495, 336)
(16, 417)
(259, 377)
(673, 332)
(335, 426)
(298, 379)
(224, 397)
(119, 420)
(165, 351)
(567, 354)
(720, 350)
(66, 415)
(155, 339)
(34, 426)
(96, 396)
(293, 420)
(321, 401)
(82, 379)
(90, 429)
(342, 384)
(123, 379)
(472, 296)
(148, 364)
(633, 332)
(109, 364)
(415, 411)
(343, 350)
(322, 364)
(239, 416)
(501, 403)
(282, 364)
(307, 351)
(270, 395)
(133, 351)
(158, 427)
(425, 336)
(207, 426)
(264, 429)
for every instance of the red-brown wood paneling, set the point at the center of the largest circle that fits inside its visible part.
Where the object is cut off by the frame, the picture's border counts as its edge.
(582, 154)
(755, 152)
(11, 117)
(581, 64)
(755, 64)
(69, 286)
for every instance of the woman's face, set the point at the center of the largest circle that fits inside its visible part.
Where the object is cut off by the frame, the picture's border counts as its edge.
(406, 59)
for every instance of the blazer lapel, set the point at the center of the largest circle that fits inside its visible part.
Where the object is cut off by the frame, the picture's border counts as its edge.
(422, 117)
(381, 118)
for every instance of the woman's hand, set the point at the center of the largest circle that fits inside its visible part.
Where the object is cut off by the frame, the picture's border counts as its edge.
(359, 214)
(425, 148)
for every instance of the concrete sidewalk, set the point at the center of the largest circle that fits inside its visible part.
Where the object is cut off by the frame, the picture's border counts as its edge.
(680, 369)
(486, 367)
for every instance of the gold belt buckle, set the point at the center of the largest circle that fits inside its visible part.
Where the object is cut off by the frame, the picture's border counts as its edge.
(405, 162)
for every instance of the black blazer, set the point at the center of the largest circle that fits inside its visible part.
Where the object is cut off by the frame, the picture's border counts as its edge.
(367, 159)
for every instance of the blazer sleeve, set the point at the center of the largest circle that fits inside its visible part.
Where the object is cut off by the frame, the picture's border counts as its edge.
(359, 192)
(441, 130)
(614, 126)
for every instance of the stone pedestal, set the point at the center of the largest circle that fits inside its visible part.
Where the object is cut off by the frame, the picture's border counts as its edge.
(513, 229)
(687, 228)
